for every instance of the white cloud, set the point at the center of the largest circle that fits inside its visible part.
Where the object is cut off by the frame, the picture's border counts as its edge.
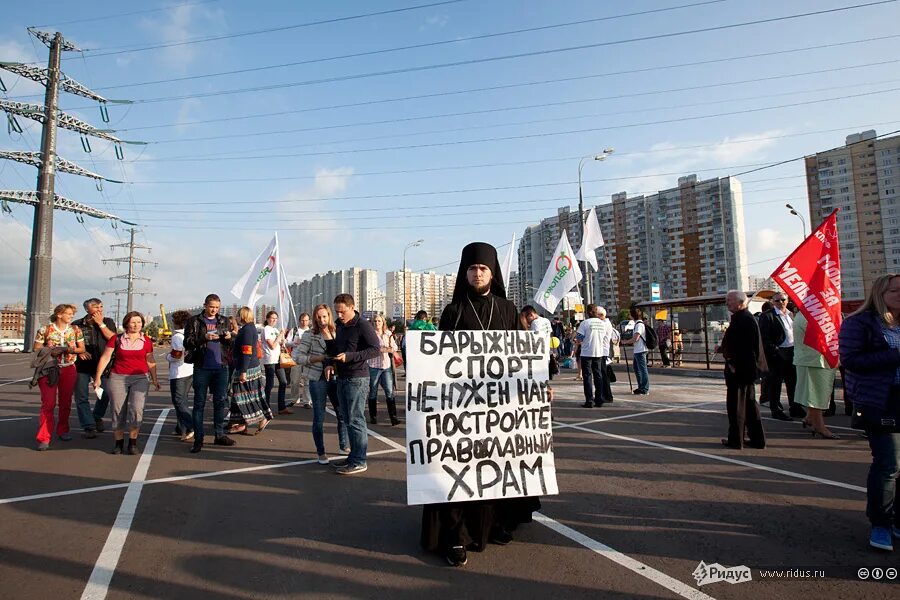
(666, 157)
(767, 239)
(181, 24)
(435, 22)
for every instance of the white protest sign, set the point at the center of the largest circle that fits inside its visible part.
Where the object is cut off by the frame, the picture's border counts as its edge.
(478, 424)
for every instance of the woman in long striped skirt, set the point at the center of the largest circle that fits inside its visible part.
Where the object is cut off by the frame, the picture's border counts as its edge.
(247, 392)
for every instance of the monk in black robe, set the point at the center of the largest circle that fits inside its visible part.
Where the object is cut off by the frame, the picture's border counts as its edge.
(479, 303)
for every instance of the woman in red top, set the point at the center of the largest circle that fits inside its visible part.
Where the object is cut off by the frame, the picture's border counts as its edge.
(128, 384)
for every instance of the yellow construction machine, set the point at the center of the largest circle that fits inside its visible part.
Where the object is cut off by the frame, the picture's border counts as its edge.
(165, 334)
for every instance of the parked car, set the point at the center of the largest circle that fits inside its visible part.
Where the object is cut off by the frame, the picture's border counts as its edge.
(12, 345)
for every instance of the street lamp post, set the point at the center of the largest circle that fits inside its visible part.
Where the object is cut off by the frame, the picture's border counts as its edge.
(799, 216)
(408, 246)
(588, 283)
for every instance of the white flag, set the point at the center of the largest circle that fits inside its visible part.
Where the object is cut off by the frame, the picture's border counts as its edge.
(247, 287)
(506, 267)
(562, 275)
(591, 239)
(285, 304)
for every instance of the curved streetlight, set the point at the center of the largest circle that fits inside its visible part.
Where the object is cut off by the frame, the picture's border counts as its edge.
(799, 216)
(598, 157)
(408, 246)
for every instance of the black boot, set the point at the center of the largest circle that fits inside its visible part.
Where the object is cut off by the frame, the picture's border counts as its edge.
(132, 447)
(373, 411)
(392, 411)
(118, 448)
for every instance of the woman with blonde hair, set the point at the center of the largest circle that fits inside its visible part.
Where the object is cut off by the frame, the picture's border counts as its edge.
(381, 373)
(870, 354)
(247, 394)
(128, 385)
(314, 353)
(62, 343)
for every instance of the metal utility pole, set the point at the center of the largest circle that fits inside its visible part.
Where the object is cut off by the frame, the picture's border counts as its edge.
(130, 276)
(45, 199)
(38, 306)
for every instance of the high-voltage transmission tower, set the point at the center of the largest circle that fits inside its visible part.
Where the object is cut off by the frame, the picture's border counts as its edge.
(130, 276)
(45, 199)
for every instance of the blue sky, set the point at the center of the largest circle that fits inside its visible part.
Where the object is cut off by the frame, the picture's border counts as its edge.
(316, 171)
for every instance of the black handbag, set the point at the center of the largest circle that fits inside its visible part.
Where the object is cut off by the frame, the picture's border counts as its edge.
(554, 365)
(880, 420)
(610, 374)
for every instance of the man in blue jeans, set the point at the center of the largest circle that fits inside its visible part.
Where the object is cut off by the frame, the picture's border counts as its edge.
(97, 330)
(356, 342)
(204, 336)
(640, 351)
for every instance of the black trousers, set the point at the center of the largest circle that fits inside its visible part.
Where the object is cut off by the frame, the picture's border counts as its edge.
(592, 374)
(664, 354)
(743, 412)
(781, 370)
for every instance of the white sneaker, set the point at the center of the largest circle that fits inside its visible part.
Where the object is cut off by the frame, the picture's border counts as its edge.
(323, 459)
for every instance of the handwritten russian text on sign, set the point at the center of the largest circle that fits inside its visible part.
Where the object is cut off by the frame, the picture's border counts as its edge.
(478, 424)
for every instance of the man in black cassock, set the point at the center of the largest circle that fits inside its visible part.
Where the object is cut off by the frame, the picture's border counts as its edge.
(744, 362)
(479, 303)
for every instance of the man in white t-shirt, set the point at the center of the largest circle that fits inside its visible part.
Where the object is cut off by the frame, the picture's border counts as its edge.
(541, 325)
(594, 334)
(639, 340)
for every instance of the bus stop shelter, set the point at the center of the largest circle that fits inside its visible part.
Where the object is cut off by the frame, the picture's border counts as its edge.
(701, 321)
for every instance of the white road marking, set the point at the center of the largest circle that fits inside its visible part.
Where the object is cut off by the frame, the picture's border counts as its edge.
(98, 584)
(629, 416)
(116, 486)
(15, 381)
(657, 577)
(16, 419)
(725, 459)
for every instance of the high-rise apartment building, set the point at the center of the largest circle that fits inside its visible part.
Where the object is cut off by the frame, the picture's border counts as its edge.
(861, 179)
(513, 293)
(423, 291)
(688, 239)
(322, 288)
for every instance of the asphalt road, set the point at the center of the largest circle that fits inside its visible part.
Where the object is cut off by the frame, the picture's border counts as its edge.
(647, 492)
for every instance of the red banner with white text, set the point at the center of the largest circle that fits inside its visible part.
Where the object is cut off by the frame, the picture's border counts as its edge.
(811, 277)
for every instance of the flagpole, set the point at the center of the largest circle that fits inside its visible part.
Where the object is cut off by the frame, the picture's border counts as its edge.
(588, 282)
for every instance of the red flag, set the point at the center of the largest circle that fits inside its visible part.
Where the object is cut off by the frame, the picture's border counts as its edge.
(811, 277)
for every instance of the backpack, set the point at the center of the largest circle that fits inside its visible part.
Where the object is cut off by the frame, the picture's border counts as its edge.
(652, 339)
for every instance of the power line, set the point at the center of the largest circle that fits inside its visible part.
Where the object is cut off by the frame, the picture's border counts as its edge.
(504, 109)
(456, 40)
(514, 85)
(213, 38)
(566, 158)
(126, 14)
(483, 60)
(511, 137)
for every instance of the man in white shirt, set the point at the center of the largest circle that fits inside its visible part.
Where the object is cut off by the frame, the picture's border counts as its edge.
(639, 340)
(594, 335)
(777, 330)
(541, 325)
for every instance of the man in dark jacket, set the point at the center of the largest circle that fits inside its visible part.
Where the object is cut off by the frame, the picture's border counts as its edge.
(355, 343)
(97, 330)
(744, 361)
(205, 336)
(776, 328)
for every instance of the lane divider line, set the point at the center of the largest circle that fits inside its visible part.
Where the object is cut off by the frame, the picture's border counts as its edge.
(98, 585)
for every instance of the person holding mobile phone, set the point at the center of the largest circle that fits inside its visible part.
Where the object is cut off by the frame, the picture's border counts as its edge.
(205, 336)
(314, 354)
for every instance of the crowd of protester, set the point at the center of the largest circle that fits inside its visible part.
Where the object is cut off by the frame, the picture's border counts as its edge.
(346, 360)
